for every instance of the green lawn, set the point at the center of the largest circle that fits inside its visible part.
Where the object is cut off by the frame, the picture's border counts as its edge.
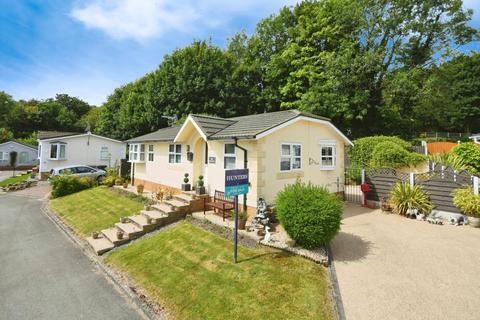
(94, 209)
(190, 272)
(13, 180)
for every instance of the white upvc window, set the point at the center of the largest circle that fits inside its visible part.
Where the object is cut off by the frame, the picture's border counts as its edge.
(229, 156)
(23, 157)
(57, 151)
(327, 155)
(290, 156)
(137, 152)
(175, 153)
(104, 154)
(150, 152)
(3, 156)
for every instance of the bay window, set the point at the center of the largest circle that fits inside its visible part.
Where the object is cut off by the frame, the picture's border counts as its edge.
(290, 156)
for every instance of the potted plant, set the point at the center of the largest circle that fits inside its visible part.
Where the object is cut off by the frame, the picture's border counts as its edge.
(118, 181)
(120, 235)
(169, 192)
(200, 186)
(159, 195)
(95, 234)
(242, 219)
(185, 185)
(140, 188)
(469, 203)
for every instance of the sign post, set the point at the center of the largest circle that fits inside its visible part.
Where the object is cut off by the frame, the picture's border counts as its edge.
(236, 183)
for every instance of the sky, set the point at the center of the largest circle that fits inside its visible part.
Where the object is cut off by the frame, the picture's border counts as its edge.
(88, 48)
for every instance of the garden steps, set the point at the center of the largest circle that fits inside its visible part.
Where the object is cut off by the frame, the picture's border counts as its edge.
(100, 245)
(162, 207)
(176, 204)
(185, 198)
(131, 230)
(141, 221)
(111, 235)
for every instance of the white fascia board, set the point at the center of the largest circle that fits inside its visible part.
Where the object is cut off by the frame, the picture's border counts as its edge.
(19, 144)
(190, 119)
(296, 119)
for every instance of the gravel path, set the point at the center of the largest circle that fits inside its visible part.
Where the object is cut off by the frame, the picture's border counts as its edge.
(390, 267)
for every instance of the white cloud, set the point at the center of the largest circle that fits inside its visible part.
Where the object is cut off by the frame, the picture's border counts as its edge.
(145, 19)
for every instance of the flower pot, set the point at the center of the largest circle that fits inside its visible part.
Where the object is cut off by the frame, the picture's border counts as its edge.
(140, 188)
(95, 235)
(474, 222)
(242, 224)
(119, 235)
(125, 185)
(186, 187)
(200, 190)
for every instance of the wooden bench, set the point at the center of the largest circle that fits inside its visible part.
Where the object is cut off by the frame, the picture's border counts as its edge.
(220, 202)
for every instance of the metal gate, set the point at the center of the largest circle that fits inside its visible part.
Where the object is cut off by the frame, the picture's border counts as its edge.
(351, 188)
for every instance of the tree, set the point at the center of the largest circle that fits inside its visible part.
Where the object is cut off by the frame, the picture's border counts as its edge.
(451, 97)
(6, 105)
(5, 135)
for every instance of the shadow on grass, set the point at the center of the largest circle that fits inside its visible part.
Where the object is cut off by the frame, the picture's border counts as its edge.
(349, 247)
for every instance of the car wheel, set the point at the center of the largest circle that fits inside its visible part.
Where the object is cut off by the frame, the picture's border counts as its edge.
(100, 179)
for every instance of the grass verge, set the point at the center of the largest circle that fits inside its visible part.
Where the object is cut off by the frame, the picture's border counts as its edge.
(13, 180)
(94, 209)
(190, 271)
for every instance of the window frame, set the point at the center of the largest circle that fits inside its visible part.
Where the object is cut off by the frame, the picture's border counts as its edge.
(25, 154)
(102, 153)
(58, 153)
(151, 153)
(230, 156)
(175, 153)
(333, 157)
(135, 153)
(291, 156)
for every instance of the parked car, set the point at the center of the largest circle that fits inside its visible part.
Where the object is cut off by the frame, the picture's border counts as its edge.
(79, 170)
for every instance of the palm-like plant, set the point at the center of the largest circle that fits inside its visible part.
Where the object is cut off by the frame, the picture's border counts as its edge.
(404, 196)
(449, 159)
(467, 201)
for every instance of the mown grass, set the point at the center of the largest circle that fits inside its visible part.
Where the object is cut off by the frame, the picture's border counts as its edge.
(15, 179)
(190, 272)
(94, 209)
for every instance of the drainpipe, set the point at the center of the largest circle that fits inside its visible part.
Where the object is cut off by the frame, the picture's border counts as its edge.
(245, 166)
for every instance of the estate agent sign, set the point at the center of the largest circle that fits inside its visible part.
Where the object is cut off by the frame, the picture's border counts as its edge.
(236, 182)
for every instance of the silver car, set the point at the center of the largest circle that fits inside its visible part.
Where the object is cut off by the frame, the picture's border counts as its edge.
(80, 171)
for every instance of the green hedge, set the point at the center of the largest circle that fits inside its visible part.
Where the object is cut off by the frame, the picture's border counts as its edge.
(310, 214)
(361, 153)
(66, 184)
(469, 154)
(391, 155)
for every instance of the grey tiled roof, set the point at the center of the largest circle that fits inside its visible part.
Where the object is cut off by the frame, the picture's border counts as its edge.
(245, 127)
(165, 134)
(54, 134)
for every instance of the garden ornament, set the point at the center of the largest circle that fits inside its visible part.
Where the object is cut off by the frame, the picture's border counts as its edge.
(268, 235)
(261, 217)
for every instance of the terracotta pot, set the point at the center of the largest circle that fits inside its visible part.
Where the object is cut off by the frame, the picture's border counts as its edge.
(125, 185)
(474, 222)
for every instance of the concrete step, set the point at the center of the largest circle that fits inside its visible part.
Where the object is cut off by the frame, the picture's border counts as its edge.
(100, 245)
(141, 221)
(131, 230)
(191, 194)
(161, 219)
(162, 207)
(175, 204)
(186, 198)
(112, 236)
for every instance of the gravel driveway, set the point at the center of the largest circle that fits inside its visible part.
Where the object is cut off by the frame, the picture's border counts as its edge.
(390, 267)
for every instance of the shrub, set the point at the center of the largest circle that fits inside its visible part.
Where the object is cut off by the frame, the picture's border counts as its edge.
(109, 181)
(467, 201)
(404, 196)
(66, 184)
(310, 214)
(392, 155)
(469, 153)
(361, 153)
(449, 159)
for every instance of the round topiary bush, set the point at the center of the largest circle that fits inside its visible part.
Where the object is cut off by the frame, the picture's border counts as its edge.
(309, 213)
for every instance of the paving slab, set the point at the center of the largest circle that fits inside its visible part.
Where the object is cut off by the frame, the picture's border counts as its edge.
(176, 203)
(112, 235)
(130, 229)
(100, 245)
(165, 208)
(142, 222)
